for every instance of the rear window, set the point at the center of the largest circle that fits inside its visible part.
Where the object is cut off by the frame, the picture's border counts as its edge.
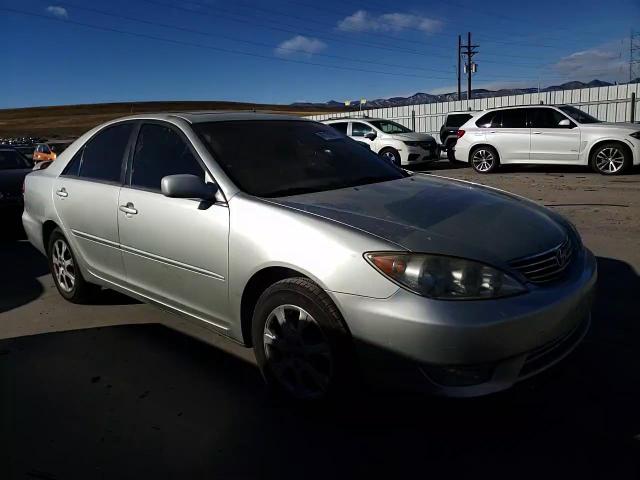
(11, 160)
(103, 155)
(456, 120)
(340, 126)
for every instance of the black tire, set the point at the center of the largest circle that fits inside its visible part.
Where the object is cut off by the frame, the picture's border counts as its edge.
(80, 290)
(484, 159)
(287, 373)
(610, 158)
(391, 155)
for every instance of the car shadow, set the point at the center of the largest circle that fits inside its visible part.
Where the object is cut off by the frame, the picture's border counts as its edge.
(545, 169)
(22, 264)
(147, 402)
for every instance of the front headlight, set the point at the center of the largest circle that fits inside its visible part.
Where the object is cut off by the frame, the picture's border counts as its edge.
(445, 278)
(636, 135)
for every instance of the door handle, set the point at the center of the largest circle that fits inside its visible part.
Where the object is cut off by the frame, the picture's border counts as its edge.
(62, 192)
(537, 133)
(128, 209)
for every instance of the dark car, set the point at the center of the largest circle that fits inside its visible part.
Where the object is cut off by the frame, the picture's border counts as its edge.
(13, 168)
(449, 131)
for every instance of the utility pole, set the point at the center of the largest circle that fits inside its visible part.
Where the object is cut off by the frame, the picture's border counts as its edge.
(459, 55)
(469, 67)
(634, 55)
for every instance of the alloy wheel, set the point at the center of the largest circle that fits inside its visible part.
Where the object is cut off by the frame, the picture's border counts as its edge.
(483, 160)
(609, 160)
(63, 267)
(297, 352)
(389, 155)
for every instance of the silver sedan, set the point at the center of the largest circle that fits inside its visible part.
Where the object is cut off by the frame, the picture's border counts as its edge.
(333, 264)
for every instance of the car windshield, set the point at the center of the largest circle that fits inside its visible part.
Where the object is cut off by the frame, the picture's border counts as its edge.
(11, 160)
(389, 127)
(578, 115)
(287, 157)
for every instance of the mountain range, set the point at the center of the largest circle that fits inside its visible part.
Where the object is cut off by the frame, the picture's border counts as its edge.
(420, 97)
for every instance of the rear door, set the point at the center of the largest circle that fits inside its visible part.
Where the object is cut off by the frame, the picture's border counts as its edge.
(175, 250)
(86, 199)
(551, 142)
(510, 135)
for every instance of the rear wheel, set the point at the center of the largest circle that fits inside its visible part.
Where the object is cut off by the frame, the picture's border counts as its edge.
(64, 269)
(610, 159)
(485, 159)
(391, 154)
(300, 342)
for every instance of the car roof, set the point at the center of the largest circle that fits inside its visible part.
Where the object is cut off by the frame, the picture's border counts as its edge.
(540, 105)
(215, 116)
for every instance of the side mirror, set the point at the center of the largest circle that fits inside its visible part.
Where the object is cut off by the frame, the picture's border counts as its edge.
(370, 135)
(187, 186)
(565, 123)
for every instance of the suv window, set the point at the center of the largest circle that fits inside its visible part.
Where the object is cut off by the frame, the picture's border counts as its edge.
(457, 119)
(487, 120)
(545, 118)
(159, 152)
(360, 129)
(102, 157)
(513, 118)
(340, 126)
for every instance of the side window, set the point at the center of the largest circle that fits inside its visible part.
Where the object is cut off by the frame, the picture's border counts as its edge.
(513, 118)
(46, 149)
(340, 126)
(39, 149)
(159, 152)
(488, 120)
(545, 118)
(73, 167)
(360, 129)
(103, 155)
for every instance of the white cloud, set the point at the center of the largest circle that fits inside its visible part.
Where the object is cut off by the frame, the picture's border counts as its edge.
(56, 11)
(604, 62)
(363, 21)
(300, 44)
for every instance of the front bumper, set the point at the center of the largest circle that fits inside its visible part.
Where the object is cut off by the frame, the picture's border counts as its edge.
(411, 155)
(404, 339)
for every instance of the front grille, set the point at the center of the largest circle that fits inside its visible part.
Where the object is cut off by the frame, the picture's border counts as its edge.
(547, 266)
(427, 145)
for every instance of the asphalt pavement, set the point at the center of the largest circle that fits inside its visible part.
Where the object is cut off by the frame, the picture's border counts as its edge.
(110, 391)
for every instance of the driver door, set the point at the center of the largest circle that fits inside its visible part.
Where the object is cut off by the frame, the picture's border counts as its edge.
(359, 132)
(175, 250)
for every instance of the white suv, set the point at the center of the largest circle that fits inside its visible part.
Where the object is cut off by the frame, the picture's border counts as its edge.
(388, 139)
(551, 135)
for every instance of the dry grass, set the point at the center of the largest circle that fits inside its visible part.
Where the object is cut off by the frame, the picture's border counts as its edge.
(73, 120)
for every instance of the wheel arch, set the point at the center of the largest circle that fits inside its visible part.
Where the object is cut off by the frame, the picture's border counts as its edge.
(601, 141)
(257, 284)
(478, 145)
(47, 229)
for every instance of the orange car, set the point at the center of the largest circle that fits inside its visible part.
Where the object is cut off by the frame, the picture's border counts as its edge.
(43, 152)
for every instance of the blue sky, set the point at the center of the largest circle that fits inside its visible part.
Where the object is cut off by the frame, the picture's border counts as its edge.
(282, 51)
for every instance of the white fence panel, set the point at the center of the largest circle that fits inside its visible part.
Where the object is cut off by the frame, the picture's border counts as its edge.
(610, 104)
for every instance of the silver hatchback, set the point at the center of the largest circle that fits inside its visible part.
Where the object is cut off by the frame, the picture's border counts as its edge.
(334, 265)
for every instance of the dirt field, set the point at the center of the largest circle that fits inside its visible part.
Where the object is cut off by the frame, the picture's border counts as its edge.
(73, 120)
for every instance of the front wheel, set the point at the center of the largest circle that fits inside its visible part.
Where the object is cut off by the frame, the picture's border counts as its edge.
(300, 342)
(485, 159)
(610, 159)
(391, 155)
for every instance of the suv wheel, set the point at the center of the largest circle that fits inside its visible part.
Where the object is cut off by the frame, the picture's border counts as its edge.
(391, 154)
(485, 159)
(64, 269)
(610, 159)
(300, 342)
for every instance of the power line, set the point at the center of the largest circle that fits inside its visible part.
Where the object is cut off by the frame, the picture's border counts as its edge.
(209, 47)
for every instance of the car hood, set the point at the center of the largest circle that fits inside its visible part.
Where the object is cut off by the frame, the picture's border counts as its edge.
(632, 127)
(413, 137)
(434, 215)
